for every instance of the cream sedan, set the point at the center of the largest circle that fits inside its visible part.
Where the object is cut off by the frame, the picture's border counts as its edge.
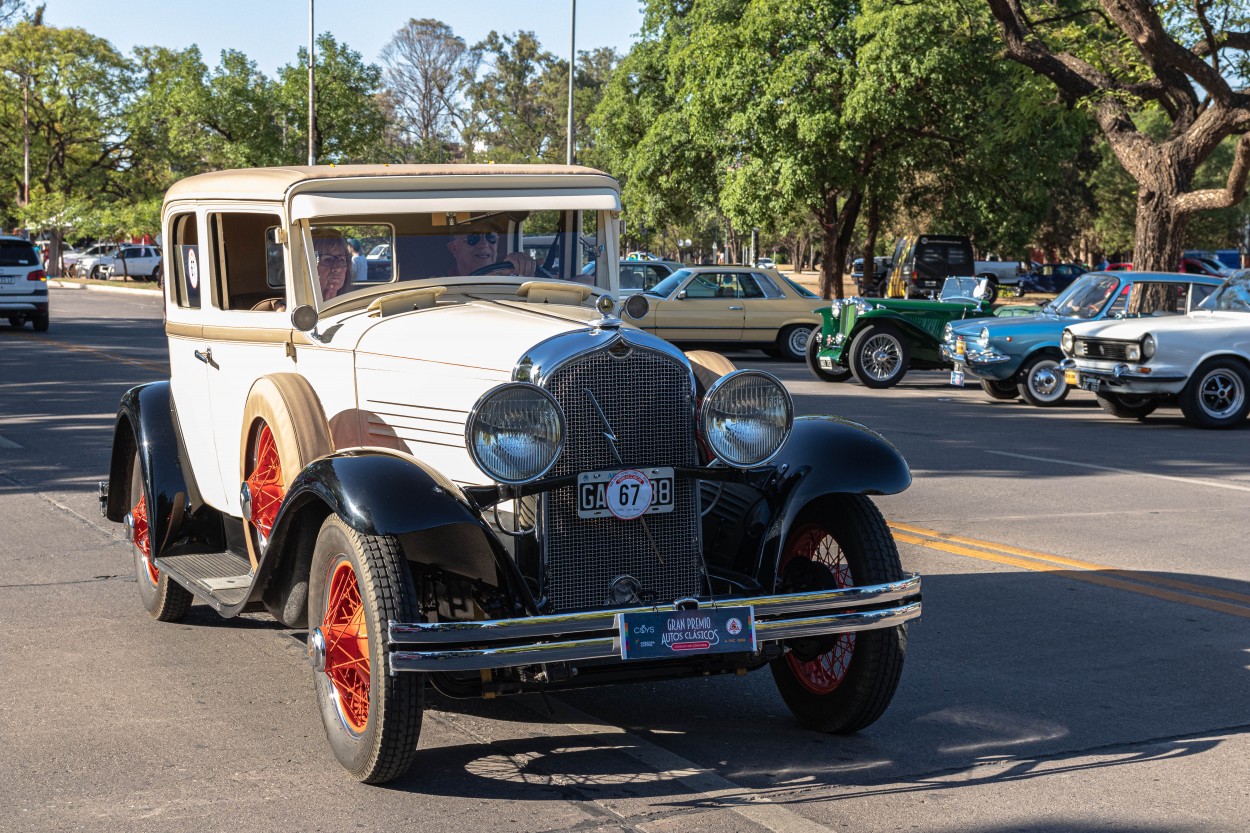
(729, 306)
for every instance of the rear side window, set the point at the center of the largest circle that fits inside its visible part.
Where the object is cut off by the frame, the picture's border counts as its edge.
(17, 253)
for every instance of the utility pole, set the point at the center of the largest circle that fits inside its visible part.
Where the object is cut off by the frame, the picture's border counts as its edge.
(25, 139)
(572, 69)
(312, 110)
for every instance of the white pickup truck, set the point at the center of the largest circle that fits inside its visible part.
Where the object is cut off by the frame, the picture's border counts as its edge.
(1002, 272)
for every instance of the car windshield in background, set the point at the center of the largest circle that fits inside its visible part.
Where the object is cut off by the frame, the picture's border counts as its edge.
(666, 287)
(17, 253)
(1085, 298)
(1232, 296)
(959, 289)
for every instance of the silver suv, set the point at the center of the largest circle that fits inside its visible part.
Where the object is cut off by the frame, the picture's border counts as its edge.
(23, 284)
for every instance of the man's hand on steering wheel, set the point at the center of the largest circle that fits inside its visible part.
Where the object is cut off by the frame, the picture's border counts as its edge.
(517, 263)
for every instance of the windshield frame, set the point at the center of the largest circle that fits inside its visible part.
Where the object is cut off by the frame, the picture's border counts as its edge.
(1222, 298)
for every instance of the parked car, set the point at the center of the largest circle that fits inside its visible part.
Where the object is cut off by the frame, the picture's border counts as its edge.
(735, 306)
(1019, 357)
(132, 262)
(486, 483)
(1203, 265)
(922, 263)
(23, 284)
(1050, 278)
(877, 341)
(640, 275)
(1200, 361)
(1001, 273)
(378, 263)
(875, 286)
(86, 265)
(765, 263)
(1122, 266)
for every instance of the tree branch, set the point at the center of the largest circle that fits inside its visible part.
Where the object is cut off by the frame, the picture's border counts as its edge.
(1225, 197)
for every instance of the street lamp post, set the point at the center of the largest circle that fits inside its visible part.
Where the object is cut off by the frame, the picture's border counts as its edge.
(572, 67)
(312, 111)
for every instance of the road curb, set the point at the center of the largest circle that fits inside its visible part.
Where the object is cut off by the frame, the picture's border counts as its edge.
(104, 288)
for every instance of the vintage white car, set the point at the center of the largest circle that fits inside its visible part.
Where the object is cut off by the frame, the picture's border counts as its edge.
(473, 474)
(1200, 360)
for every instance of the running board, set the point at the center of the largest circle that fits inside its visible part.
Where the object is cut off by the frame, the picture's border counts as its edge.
(222, 579)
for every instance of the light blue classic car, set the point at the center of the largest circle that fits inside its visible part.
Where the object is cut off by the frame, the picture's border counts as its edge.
(1019, 356)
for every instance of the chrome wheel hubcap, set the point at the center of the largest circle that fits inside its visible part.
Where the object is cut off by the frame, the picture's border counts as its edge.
(798, 341)
(882, 355)
(1045, 382)
(1221, 393)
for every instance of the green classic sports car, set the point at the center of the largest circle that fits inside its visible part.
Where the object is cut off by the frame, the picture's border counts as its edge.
(877, 340)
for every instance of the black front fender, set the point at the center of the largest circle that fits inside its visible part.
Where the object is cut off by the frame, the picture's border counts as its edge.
(179, 521)
(825, 455)
(382, 492)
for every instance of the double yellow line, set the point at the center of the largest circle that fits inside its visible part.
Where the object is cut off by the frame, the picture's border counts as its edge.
(1146, 584)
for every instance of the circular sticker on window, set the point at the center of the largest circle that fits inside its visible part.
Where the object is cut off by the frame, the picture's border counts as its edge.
(193, 270)
(628, 494)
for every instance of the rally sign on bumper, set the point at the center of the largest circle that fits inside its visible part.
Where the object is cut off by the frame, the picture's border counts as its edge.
(664, 634)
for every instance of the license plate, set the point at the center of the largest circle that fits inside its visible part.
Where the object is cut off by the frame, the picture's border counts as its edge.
(1092, 385)
(624, 493)
(957, 378)
(826, 363)
(658, 634)
(1071, 377)
(7, 279)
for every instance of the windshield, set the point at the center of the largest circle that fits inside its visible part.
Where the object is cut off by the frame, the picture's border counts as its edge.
(427, 247)
(1232, 296)
(669, 285)
(1085, 297)
(961, 289)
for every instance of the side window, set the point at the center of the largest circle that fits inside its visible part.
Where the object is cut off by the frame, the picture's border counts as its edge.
(275, 264)
(1120, 304)
(631, 277)
(240, 257)
(762, 284)
(703, 286)
(652, 275)
(1198, 294)
(186, 268)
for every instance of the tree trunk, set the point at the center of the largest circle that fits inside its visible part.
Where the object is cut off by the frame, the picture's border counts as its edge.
(1160, 234)
(870, 245)
(838, 226)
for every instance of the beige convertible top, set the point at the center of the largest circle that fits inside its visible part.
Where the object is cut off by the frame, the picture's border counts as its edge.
(277, 184)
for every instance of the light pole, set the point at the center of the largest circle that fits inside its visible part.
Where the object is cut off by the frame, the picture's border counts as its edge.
(572, 66)
(312, 111)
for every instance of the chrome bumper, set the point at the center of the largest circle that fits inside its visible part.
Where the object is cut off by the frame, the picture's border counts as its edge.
(593, 635)
(972, 358)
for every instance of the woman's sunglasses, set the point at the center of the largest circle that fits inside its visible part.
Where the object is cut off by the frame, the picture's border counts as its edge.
(476, 237)
(332, 260)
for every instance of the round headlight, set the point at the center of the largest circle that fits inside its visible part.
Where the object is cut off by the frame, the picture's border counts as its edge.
(746, 418)
(948, 333)
(1148, 346)
(983, 338)
(515, 432)
(1066, 341)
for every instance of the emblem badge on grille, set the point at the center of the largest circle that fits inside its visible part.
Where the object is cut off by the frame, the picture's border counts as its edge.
(624, 590)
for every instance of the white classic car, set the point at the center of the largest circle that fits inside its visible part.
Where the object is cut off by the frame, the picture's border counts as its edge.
(1200, 360)
(473, 474)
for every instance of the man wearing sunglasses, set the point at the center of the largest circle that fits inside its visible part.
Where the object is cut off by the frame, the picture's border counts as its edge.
(475, 249)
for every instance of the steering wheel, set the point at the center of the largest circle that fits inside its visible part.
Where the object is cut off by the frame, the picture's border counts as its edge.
(492, 268)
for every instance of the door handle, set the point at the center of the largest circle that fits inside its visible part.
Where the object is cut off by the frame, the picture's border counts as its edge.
(739, 309)
(206, 356)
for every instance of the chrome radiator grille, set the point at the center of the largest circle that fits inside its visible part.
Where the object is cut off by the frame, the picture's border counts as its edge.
(647, 399)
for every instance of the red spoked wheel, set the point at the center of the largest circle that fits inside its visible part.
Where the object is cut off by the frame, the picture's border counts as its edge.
(826, 672)
(347, 647)
(165, 599)
(359, 583)
(264, 483)
(842, 682)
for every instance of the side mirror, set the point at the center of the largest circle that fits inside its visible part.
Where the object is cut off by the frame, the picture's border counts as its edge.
(681, 296)
(304, 318)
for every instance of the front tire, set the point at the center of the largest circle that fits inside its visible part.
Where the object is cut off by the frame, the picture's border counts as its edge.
(840, 684)
(1000, 390)
(357, 585)
(165, 600)
(1042, 382)
(792, 342)
(991, 289)
(1217, 395)
(838, 374)
(879, 356)
(1127, 405)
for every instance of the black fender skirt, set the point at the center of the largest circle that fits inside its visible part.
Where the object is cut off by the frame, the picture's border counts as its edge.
(180, 522)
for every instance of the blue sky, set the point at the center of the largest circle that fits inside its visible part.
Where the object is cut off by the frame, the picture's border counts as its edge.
(270, 31)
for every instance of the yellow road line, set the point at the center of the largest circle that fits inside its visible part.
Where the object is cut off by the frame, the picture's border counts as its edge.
(1132, 581)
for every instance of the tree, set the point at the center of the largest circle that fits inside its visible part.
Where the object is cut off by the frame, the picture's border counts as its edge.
(1130, 58)
(426, 69)
(514, 115)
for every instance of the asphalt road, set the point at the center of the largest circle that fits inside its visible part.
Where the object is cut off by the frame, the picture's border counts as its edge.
(1082, 663)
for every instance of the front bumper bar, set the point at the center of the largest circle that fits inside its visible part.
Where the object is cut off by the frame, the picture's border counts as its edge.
(593, 635)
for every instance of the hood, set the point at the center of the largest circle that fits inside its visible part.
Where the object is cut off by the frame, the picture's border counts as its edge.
(1131, 329)
(1016, 325)
(481, 334)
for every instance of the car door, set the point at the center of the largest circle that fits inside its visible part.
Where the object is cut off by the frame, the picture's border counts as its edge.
(705, 308)
(765, 308)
